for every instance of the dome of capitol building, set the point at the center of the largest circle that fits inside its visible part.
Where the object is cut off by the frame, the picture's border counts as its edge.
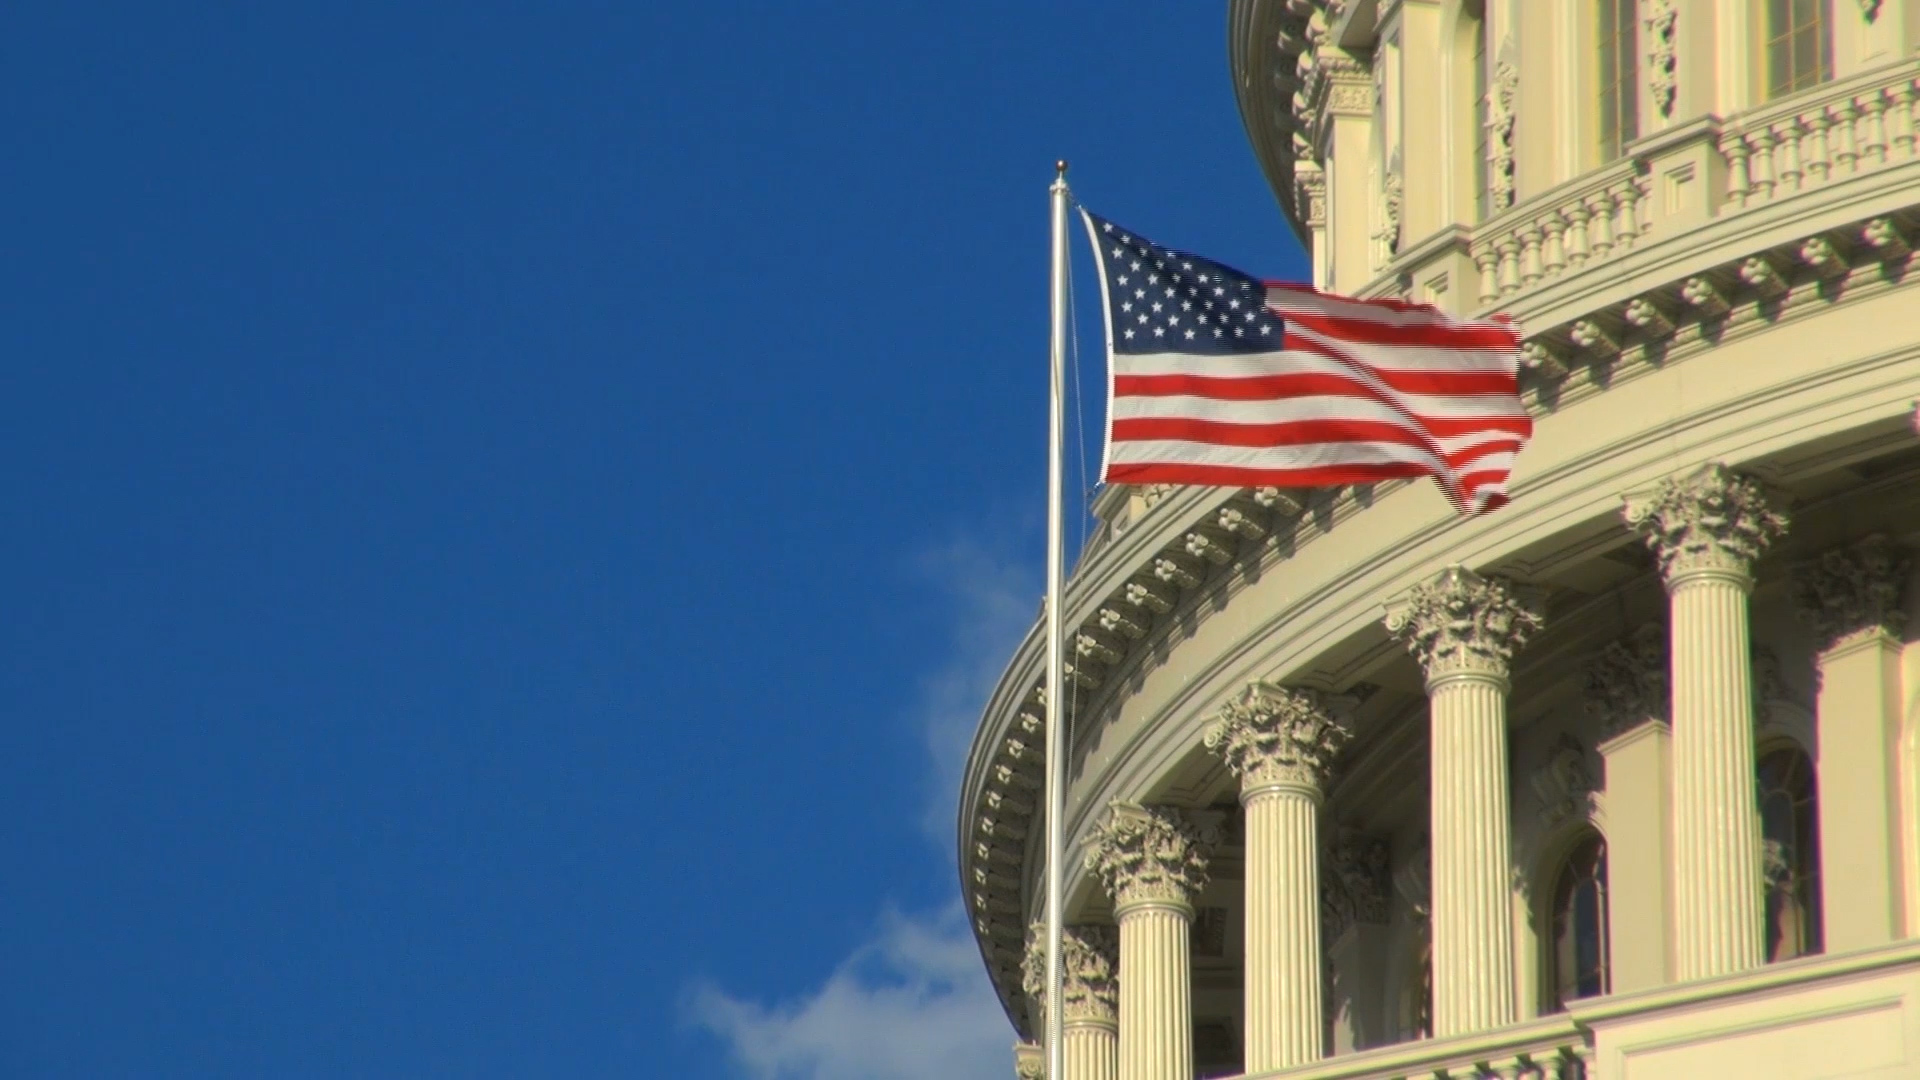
(1619, 780)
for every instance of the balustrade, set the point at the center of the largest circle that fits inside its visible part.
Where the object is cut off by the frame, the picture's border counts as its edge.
(1803, 143)
(1820, 137)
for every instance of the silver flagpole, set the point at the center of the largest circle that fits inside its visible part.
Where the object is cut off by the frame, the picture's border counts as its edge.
(1056, 673)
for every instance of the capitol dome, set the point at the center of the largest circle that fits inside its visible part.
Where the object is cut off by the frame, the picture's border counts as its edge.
(1621, 780)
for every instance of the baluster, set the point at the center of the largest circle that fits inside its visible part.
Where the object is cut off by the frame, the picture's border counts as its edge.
(1529, 254)
(1601, 204)
(1787, 155)
(1576, 233)
(1876, 147)
(1509, 250)
(1762, 143)
(1553, 254)
(1902, 111)
(1629, 229)
(1485, 259)
(1733, 147)
(1819, 161)
(1847, 155)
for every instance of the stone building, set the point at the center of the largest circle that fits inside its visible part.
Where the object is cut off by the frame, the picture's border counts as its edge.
(1622, 780)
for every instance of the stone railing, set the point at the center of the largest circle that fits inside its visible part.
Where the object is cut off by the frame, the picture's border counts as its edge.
(1820, 136)
(1563, 230)
(1815, 138)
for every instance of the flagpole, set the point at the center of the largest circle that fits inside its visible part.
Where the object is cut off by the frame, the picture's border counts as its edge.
(1056, 671)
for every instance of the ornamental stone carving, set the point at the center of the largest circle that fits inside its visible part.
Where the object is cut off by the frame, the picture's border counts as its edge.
(1852, 589)
(1360, 866)
(1310, 196)
(1278, 735)
(1089, 971)
(1500, 118)
(1565, 782)
(1711, 520)
(1029, 1061)
(1627, 683)
(1462, 623)
(1149, 854)
(1393, 194)
(1414, 877)
(1663, 54)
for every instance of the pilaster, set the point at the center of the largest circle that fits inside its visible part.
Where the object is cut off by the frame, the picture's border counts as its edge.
(1627, 692)
(1464, 628)
(1281, 743)
(1851, 598)
(1707, 528)
(1355, 907)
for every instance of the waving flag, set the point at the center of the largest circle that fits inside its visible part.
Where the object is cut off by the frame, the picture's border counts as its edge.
(1218, 378)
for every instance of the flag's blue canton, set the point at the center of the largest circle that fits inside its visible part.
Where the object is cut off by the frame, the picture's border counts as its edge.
(1160, 300)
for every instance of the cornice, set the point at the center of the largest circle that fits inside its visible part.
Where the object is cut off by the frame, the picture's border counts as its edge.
(1325, 613)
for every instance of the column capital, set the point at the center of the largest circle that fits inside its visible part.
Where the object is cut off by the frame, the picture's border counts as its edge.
(1710, 522)
(1149, 855)
(1089, 961)
(1851, 589)
(1627, 681)
(1461, 624)
(1273, 736)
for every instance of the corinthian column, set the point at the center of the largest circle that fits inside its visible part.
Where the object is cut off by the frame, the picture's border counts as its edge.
(1281, 742)
(1464, 628)
(1707, 528)
(1153, 862)
(1090, 1020)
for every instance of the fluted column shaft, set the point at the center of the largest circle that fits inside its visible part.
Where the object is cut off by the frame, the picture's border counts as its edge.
(1092, 1049)
(1707, 529)
(1472, 921)
(1284, 1024)
(1464, 629)
(1716, 826)
(1153, 862)
(1280, 741)
(1156, 992)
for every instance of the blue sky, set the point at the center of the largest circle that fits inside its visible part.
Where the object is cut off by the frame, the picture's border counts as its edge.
(512, 511)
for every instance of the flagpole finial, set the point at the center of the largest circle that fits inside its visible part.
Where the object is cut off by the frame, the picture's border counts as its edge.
(1060, 169)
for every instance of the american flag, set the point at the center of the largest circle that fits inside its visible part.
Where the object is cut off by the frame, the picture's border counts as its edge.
(1218, 378)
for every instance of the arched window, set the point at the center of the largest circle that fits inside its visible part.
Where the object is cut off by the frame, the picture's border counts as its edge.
(1799, 45)
(1790, 832)
(1580, 948)
(1619, 76)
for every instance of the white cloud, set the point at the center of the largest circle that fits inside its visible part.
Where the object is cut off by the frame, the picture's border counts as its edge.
(993, 603)
(913, 1004)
